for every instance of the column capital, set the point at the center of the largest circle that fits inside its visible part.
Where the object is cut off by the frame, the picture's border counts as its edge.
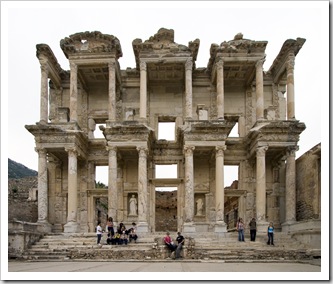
(291, 151)
(73, 66)
(111, 148)
(41, 150)
(290, 63)
(143, 65)
(72, 151)
(112, 65)
(261, 150)
(44, 67)
(219, 64)
(189, 64)
(188, 150)
(220, 150)
(260, 62)
(143, 151)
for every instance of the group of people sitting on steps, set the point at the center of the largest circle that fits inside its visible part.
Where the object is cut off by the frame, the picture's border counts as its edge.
(120, 236)
(175, 248)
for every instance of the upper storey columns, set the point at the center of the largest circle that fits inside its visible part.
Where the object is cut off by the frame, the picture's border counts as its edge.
(188, 88)
(143, 89)
(290, 87)
(73, 100)
(220, 89)
(73, 92)
(188, 84)
(112, 91)
(44, 95)
(260, 89)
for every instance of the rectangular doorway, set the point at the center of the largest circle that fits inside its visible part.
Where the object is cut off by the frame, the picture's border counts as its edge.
(165, 209)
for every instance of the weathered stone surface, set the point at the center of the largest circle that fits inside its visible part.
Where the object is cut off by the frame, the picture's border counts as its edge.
(203, 105)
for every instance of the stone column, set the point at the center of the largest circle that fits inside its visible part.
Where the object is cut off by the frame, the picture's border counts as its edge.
(143, 89)
(42, 190)
(260, 89)
(112, 183)
(112, 91)
(73, 92)
(142, 190)
(290, 87)
(188, 88)
(220, 225)
(189, 190)
(220, 89)
(44, 95)
(291, 186)
(261, 188)
(72, 226)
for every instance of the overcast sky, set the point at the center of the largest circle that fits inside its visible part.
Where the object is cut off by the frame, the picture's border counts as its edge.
(25, 24)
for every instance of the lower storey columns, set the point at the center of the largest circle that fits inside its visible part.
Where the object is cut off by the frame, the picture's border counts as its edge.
(261, 189)
(142, 190)
(112, 181)
(42, 191)
(220, 225)
(290, 189)
(72, 226)
(189, 190)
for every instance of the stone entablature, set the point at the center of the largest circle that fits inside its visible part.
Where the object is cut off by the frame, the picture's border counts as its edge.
(204, 104)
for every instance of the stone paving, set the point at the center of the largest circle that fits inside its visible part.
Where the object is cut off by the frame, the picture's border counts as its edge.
(219, 270)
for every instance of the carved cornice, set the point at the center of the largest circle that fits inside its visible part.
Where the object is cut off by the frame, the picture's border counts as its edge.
(162, 45)
(238, 47)
(278, 67)
(91, 42)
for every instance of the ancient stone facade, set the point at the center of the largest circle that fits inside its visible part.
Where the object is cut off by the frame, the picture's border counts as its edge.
(203, 104)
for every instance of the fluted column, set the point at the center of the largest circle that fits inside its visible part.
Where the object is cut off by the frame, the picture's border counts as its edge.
(42, 186)
(73, 92)
(290, 87)
(188, 88)
(291, 185)
(44, 95)
(260, 89)
(112, 91)
(143, 89)
(189, 184)
(112, 183)
(219, 180)
(142, 190)
(220, 89)
(261, 184)
(72, 225)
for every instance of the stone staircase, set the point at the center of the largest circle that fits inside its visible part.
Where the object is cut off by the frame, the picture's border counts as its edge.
(83, 247)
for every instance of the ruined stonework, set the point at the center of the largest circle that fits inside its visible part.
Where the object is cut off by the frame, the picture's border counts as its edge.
(129, 106)
(308, 199)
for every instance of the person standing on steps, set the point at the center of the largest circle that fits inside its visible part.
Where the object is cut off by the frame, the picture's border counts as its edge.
(253, 229)
(270, 233)
(110, 226)
(240, 228)
(99, 233)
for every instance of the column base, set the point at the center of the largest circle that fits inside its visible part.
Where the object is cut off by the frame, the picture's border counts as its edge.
(44, 227)
(287, 226)
(189, 228)
(262, 226)
(220, 227)
(142, 227)
(71, 227)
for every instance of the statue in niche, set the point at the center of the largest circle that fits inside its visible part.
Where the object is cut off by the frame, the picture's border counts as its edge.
(133, 205)
(199, 207)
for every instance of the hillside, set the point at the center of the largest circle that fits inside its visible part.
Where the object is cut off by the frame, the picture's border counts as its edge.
(17, 170)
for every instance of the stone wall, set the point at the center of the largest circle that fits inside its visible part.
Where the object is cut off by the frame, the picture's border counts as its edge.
(22, 205)
(308, 185)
